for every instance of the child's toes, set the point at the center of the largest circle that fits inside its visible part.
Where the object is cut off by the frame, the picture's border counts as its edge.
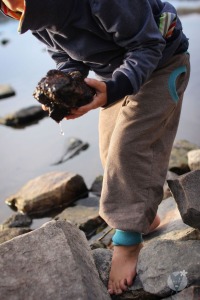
(123, 284)
(118, 290)
(110, 287)
(129, 281)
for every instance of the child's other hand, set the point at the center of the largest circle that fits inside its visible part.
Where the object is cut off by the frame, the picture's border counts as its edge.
(99, 99)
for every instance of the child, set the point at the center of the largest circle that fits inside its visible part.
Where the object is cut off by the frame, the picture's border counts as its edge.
(139, 54)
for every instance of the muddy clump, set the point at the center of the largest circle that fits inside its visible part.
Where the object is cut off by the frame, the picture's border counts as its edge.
(60, 92)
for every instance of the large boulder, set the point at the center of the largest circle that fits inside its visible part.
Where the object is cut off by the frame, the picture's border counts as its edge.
(48, 192)
(52, 262)
(186, 191)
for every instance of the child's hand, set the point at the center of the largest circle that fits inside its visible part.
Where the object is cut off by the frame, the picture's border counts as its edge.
(14, 5)
(99, 99)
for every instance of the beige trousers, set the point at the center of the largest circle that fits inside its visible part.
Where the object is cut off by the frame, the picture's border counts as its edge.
(136, 137)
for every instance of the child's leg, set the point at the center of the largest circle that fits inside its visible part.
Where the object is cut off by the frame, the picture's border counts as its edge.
(137, 160)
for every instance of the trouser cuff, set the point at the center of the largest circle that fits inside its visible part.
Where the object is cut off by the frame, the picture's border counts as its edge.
(126, 238)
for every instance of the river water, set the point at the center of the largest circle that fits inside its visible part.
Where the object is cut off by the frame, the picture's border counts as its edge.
(30, 152)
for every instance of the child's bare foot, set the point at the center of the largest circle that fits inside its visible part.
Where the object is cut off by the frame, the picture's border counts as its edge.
(123, 268)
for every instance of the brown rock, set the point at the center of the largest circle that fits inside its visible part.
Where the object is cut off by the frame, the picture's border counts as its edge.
(48, 192)
(85, 215)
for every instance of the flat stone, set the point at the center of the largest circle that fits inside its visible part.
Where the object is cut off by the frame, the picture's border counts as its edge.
(85, 215)
(52, 262)
(48, 192)
(6, 91)
(186, 191)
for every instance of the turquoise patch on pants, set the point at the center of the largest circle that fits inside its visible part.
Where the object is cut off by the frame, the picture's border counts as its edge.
(172, 82)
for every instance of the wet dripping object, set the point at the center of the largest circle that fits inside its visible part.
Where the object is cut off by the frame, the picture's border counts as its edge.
(60, 92)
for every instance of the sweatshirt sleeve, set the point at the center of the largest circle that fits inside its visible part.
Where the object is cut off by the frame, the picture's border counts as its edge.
(63, 61)
(133, 27)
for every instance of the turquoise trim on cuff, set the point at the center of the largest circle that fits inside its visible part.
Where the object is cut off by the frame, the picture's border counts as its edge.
(126, 238)
(172, 82)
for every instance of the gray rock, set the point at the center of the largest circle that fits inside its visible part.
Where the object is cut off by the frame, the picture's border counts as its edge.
(7, 234)
(191, 293)
(194, 159)
(17, 220)
(178, 160)
(6, 91)
(24, 117)
(102, 259)
(186, 191)
(48, 192)
(160, 259)
(85, 215)
(81, 212)
(166, 189)
(52, 262)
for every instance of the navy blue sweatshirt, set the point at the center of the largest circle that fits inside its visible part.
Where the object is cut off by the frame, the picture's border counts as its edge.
(122, 41)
